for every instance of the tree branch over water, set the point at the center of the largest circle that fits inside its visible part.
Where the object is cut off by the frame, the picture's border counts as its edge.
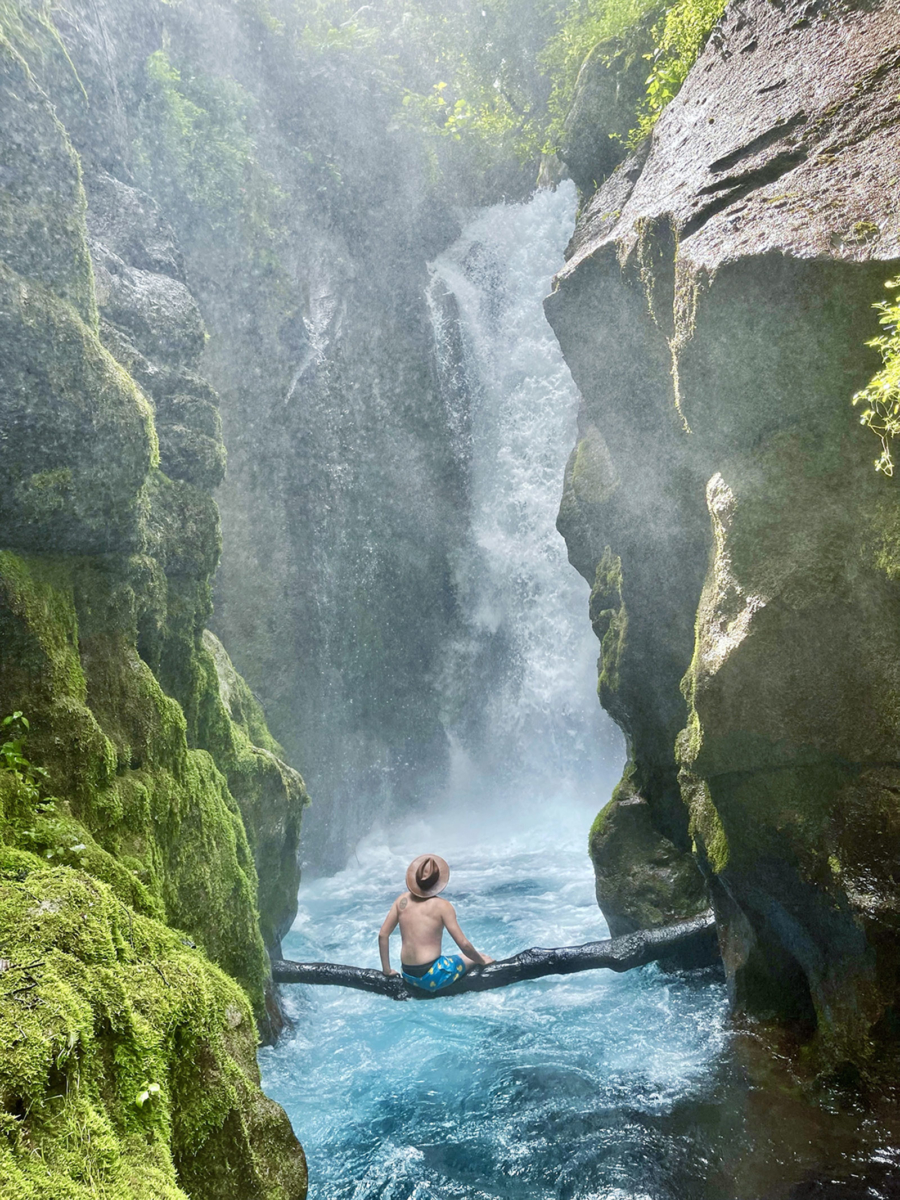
(684, 944)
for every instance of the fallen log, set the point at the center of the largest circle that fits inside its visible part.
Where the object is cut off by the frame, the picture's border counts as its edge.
(684, 944)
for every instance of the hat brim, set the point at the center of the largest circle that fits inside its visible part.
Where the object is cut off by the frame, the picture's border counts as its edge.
(442, 880)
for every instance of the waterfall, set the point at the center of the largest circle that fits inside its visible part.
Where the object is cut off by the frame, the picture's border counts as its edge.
(520, 683)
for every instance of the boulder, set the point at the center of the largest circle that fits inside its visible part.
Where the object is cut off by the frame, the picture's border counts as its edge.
(643, 880)
(157, 312)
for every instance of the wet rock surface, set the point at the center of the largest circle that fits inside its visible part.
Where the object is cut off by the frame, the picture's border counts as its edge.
(723, 503)
(642, 879)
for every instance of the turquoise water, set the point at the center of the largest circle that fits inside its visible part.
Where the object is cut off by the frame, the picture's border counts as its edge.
(556, 1088)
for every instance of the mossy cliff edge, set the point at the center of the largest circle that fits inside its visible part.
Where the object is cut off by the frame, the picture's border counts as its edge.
(143, 881)
(723, 504)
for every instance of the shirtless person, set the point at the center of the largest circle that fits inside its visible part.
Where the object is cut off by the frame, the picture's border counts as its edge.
(423, 918)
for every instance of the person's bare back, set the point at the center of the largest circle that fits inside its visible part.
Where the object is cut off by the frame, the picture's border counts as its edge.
(423, 916)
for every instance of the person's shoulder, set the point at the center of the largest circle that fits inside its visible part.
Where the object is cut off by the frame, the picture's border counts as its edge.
(402, 900)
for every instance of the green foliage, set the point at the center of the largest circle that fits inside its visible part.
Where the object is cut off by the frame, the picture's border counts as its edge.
(881, 396)
(500, 75)
(679, 40)
(582, 25)
(204, 131)
(335, 25)
(196, 151)
(12, 756)
(483, 83)
(87, 438)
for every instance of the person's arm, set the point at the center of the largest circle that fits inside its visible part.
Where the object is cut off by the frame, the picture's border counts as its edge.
(384, 939)
(452, 926)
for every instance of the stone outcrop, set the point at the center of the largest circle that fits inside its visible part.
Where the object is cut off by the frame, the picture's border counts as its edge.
(722, 500)
(643, 881)
(608, 93)
(145, 798)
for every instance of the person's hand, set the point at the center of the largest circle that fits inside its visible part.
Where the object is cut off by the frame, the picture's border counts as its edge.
(487, 959)
(391, 971)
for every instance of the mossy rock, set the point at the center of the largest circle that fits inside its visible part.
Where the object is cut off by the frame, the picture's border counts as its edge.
(128, 223)
(130, 1069)
(116, 748)
(589, 484)
(642, 879)
(193, 457)
(129, 1064)
(42, 203)
(158, 313)
(83, 432)
(787, 756)
(183, 527)
(225, 718)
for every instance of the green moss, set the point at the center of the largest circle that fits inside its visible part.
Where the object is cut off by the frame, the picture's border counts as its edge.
(599, 824)
(116, 748)
(224, 718)
(195, 151)
(149, 828)
(706, 827)
(183, 527)
(610, 621)
(38, 632)
(84, 432)
(642, 879)
(98, 1007)
(238, 700)
(127, 867)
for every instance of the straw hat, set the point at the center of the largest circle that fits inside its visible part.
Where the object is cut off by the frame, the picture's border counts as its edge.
(427, 875)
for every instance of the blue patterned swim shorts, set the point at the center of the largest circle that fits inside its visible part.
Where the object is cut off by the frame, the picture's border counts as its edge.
(440, 974)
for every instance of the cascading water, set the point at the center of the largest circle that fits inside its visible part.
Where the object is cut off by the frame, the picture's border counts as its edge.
(520, 682)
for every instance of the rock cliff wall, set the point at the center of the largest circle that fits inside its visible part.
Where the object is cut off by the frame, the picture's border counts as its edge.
(723, 504)
(148, 824)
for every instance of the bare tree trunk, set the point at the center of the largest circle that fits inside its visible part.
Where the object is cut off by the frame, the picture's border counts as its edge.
(684, 944)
